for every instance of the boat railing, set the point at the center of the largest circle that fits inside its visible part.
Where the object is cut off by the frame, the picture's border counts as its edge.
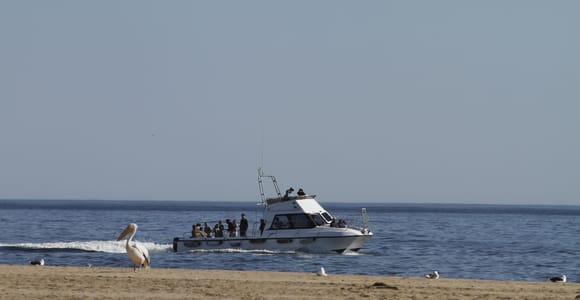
(261, 185)
(365, 219)
(360, 223)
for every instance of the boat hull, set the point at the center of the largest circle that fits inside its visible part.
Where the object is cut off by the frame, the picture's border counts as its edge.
(310, 244)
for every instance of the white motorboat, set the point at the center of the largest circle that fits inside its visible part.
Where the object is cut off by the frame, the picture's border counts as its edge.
(290, 223)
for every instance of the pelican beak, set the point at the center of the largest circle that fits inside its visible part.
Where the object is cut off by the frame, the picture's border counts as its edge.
(124, 233)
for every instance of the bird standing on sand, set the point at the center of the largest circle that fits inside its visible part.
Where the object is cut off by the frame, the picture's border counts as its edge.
(37, 262)
(432, 275)
(321, 272)
(138, 254)
(561, 278)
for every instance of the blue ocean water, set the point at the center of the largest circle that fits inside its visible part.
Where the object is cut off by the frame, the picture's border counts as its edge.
(530, 243)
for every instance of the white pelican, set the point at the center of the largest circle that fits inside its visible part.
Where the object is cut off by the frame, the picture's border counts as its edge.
(136, 252)
(432, 275)
(558, 279)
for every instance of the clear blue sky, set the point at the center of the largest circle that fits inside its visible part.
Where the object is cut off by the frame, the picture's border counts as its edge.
(356, 101)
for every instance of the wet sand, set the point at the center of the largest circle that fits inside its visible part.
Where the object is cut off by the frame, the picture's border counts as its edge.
(49, 282)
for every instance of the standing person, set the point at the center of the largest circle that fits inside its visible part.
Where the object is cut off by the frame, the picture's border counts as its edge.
(234, 228)
(218, 231)
(262, 226)
(230, 225)
(221, 226)
(243, 225)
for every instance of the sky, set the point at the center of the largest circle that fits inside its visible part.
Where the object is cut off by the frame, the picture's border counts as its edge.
(355, 101)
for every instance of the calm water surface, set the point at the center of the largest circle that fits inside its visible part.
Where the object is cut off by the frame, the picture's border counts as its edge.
(528, 243)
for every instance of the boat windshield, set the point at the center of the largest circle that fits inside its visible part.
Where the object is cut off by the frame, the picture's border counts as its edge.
(318, 219)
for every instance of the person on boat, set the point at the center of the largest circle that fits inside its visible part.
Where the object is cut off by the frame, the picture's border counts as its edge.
(231, 227)
(198, 233)
(276, 223)
(262, 226)
(234, 228)
(229, 224)
(289, 192)
(206, 229)
(218, 231)
(243, 225)
(301, 192)
(340, 223)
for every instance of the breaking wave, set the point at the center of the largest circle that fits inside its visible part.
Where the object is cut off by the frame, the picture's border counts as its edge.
(83, 246)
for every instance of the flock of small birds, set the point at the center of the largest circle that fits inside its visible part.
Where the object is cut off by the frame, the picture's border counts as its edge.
(561, 278)
(435, 275)
(322, 272)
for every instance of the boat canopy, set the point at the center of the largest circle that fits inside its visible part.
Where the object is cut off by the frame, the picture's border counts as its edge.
(271, 201)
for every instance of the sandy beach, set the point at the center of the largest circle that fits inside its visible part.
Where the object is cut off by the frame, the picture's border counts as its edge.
(49, 282)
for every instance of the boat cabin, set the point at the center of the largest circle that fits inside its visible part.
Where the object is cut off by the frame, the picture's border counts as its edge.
(295, 212)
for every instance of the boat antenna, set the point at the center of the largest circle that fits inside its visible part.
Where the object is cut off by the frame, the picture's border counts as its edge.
(262, 149)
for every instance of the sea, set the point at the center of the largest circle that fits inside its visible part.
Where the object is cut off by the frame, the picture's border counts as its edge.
(499, 242)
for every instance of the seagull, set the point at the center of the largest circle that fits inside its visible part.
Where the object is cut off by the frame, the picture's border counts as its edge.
(138, 254)
(561, 278)
(432, 275)
(37, 262)
(321, 272)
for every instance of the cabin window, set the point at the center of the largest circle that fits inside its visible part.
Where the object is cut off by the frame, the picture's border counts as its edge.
(327, 217)
(300, 221)
(280, 222)
(292, 221)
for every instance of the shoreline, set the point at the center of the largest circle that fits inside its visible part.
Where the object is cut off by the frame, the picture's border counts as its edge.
(57, 282)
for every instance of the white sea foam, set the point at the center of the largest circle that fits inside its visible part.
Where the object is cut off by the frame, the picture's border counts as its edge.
(352, 253)
(93, 246)
(233, 250)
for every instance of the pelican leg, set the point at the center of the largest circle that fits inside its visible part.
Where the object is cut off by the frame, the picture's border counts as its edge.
(137, 268)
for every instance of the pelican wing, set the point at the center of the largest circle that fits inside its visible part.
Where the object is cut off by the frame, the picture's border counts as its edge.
(143, 253)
